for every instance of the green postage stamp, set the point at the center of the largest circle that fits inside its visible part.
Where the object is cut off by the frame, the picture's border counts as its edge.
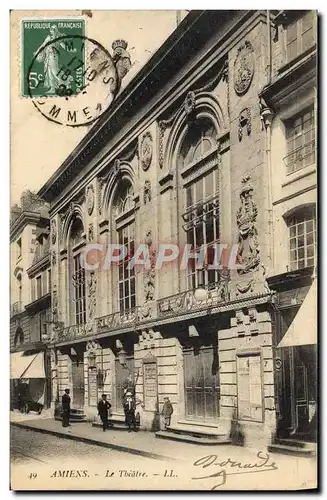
(52, 57)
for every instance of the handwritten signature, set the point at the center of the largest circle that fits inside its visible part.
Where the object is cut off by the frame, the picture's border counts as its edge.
(230, 467)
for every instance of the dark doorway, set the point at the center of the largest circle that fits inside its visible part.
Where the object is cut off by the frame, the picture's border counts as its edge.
(201, 383)
(78, 381)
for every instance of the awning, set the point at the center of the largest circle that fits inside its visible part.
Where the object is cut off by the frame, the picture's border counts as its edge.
(303, 329)
(26, 366)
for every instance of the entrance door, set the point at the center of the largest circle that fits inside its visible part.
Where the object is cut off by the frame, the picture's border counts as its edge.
(78, 383)
(304, 384)
(124, 380)
(298, 393)
(201, 384)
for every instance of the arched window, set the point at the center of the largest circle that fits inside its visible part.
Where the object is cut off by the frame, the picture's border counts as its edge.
(198, 156)
(77, 273)
(19, 284)
(302, 237)
(125, 227)
(19, 337)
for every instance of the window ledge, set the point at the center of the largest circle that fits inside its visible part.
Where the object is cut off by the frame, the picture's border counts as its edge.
(298, 59)
(299, 174)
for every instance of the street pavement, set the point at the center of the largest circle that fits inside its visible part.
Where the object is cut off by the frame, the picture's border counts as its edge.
(30, 447)
(44, 451)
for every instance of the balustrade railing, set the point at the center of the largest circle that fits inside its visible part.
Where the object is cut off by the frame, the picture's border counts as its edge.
(117, 320)
(178, 304)
(193, 300)
(301, 157)
(16, 308)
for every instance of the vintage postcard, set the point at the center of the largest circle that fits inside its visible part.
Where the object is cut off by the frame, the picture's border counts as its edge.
(163, 235)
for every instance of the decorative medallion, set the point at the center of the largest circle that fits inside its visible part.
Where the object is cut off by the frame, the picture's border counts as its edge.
(53, 231)
(243, 68)
(146, 150)
(90, 199)
(246, 217)
(189, 103)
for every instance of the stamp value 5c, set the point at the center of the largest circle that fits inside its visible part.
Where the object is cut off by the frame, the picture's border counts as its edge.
(46, 77)
(70, 79)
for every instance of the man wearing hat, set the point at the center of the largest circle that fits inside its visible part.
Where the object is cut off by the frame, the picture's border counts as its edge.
(103, 411)
(65, 408)
(129, 404)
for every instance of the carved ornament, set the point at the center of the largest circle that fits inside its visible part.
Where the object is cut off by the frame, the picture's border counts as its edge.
(146, 150)
(246, 217)
(90, 199)
(243, 68)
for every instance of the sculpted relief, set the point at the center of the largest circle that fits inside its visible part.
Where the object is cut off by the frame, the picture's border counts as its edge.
(243, 68)
(248, 246)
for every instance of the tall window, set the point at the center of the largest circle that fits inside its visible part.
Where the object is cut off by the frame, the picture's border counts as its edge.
(125, 225)
(49, 280)
(201, 218)
(39, 287)
(43, 326)
(300, 135)
(19, 248)
(19, 282)
(302, 234)
(19, 337)
(78, 273)
(300, 35)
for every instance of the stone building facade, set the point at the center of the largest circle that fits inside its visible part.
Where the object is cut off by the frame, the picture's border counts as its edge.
(183, 156)
(30, 295)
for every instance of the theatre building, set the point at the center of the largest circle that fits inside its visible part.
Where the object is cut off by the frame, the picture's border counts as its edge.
(30, 315)
(187, 154)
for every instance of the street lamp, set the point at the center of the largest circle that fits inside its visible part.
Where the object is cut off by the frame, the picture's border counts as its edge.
(200, 293)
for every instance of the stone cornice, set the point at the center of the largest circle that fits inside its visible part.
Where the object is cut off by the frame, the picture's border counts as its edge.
(148, 83)
(39, 265)
(40, 304)
(23, 220)
(246, 301)
(297, 74)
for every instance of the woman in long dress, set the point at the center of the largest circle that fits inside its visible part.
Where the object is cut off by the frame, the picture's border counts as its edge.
(50, 57)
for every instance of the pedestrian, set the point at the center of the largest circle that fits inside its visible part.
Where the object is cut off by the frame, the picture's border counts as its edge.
(129, 404)
(103, 411)
(167, 411)
(65, 408)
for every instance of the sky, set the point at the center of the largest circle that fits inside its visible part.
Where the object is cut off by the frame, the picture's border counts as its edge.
(38, 146)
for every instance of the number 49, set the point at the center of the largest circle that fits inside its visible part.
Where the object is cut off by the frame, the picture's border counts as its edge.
(32, 475)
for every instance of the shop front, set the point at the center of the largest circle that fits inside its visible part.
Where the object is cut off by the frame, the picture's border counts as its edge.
(296, 359)
(29, 388)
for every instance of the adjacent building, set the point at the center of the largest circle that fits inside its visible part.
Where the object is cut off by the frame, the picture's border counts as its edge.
(30, 318)
(212, 142)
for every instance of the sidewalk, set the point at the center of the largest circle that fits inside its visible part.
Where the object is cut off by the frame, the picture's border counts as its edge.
(17, 416)
(141, 443)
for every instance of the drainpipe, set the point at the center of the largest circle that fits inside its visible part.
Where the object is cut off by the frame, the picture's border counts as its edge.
(267, 116)
(268, 48)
